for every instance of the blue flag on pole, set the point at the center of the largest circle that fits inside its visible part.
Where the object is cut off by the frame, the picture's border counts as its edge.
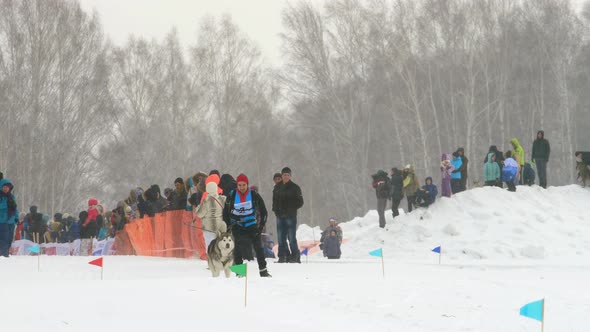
(533, 310)
(377, 253)
(436, 250)
(34, 249)
(305, 251)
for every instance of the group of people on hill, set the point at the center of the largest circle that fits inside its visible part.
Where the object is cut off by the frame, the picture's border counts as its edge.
(499, 168)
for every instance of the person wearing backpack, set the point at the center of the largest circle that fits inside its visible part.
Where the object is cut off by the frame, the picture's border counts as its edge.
(510, 172)
(382, 186)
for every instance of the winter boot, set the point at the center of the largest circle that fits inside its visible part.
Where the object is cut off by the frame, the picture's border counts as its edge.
(282, 259)
(264, 273)
(294, 259)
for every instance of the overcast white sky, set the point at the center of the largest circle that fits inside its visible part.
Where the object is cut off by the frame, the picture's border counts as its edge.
(260, 19)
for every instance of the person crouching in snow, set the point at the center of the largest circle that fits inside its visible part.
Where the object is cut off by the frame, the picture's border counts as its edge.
(426, 195)
(510, 172)
(446, 169)
(211, 213)
(332, 227)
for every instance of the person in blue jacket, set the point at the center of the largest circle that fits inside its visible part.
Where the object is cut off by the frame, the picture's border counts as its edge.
(8, 216)
(456, 184)
(427, 194)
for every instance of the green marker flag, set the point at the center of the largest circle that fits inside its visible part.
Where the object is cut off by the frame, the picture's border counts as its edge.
(239, 269)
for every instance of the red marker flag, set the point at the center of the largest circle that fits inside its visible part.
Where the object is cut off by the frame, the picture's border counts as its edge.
(97, 262)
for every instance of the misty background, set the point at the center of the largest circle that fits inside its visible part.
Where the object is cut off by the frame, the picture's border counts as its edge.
(359, 86)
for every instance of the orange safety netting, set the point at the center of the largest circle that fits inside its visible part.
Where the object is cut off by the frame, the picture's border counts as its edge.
(167, 234)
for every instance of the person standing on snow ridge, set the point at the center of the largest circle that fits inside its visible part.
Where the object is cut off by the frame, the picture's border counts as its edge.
(8, 216)
(239, 213)
(397, 190)
(382, 186)
(491, 170)
(446, 170)
(456, 186)
(410, 186)
(540, 156)
(463, 169)
(518, 155)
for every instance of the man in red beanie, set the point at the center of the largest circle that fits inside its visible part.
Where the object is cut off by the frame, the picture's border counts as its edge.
(241, 207)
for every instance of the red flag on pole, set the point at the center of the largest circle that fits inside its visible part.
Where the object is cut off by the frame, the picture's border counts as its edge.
(97, 262)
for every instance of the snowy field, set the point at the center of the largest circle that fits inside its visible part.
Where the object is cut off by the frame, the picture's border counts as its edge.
(500, 251)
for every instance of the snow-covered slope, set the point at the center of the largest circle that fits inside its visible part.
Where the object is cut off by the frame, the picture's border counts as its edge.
(488, 224)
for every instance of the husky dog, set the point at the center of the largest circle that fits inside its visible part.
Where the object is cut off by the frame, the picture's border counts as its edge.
(220, 254)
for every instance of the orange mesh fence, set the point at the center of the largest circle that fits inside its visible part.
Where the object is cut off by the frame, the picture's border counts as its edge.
(168, 234)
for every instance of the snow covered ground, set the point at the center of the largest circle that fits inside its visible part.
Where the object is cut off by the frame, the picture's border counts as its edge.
(500, 251)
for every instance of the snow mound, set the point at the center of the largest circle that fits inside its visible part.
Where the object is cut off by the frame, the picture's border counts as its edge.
(480, 224)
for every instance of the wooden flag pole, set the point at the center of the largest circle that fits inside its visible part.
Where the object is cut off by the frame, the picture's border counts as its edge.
(101, 270)
(543, 320)
(246, 291)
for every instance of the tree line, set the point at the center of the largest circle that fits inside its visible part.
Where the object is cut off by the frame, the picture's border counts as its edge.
(364, 85)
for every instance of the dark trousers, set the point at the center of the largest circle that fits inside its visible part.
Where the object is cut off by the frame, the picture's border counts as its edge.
(395, 206)
(246, 235)
(491, 183)
(4, 239)
(456, 186)
(511, 186)
(381, 204)
(411, 202)
(289, 229)
(542, 172)
(282, 238)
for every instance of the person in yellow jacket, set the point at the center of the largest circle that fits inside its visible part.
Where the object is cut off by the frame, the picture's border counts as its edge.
(518, 154)
(410, 186)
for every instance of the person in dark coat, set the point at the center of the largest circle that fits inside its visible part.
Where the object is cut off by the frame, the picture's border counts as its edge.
(245, 214)
(382, 186)
(287, 199)
(179, 196)
(541, 152)
(397, 190)
(227, 184)
(332, 246)
(35, 224)
(463, 168)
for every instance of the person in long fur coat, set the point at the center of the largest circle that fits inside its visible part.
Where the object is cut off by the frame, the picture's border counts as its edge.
(446, 169)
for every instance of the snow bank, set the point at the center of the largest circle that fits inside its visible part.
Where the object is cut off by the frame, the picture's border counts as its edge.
(480, 224)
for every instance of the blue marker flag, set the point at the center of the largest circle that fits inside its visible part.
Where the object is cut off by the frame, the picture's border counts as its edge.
(34, 249)
(533, 310)
(305, 251)
(377, 253)
(436, 250)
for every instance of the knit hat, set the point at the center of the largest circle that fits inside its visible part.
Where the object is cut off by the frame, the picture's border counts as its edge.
(214, 172)
(242, 178)
(179, 180)
(286, 170)
(277, 175)
(92, 201)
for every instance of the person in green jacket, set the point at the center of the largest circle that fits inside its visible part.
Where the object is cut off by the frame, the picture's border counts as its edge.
(518, 154)
(491, 170)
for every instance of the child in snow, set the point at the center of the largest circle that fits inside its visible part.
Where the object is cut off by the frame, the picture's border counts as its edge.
(528, 174)
(446, 169)
(491, 170)
(510, 172)
(427, 194)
